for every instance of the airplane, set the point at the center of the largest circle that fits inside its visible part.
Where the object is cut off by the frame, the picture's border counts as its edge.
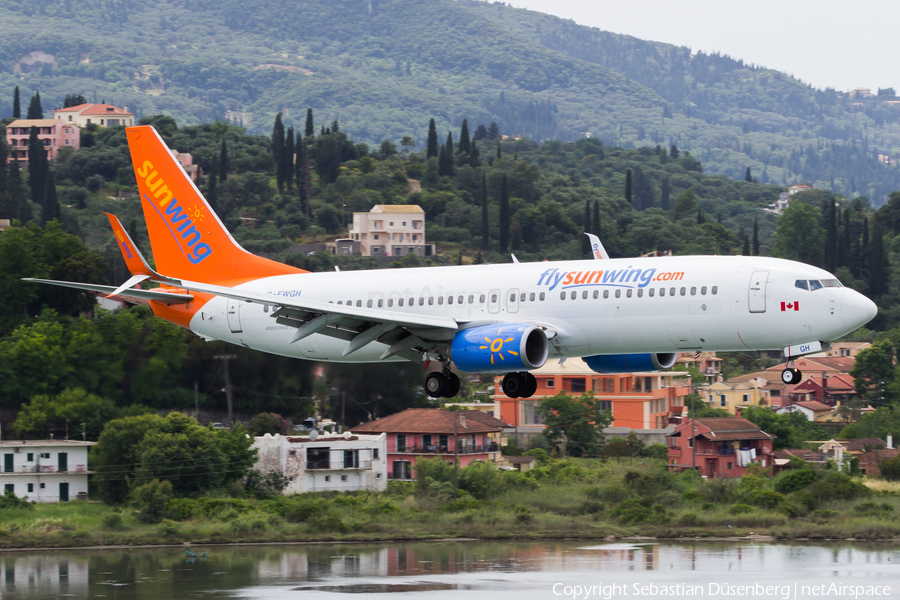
(620, 315)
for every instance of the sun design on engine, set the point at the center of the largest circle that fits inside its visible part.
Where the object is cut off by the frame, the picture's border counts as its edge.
(496, 345)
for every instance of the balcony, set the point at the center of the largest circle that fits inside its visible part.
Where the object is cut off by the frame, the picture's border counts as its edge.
(439, 449)
(324, 465)
(48, 470)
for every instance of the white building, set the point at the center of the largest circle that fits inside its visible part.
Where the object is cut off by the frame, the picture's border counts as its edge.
(391, 230)
(104, 115)
(45, 470)
(341, 463)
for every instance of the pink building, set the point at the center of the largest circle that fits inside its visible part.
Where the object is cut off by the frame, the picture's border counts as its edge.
(721, 446)
(53, 133)
(428, 432)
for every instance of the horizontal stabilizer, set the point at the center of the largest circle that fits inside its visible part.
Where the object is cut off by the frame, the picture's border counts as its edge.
(108, 290)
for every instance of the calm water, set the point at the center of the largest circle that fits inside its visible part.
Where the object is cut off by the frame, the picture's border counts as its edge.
(468, 570)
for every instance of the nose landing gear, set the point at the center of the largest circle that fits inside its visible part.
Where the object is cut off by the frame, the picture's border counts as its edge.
(442, 385)
(519, 385)
(791, 375)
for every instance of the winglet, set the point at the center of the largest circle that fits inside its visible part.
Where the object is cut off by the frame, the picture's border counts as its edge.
(597, 248)
(134, 260)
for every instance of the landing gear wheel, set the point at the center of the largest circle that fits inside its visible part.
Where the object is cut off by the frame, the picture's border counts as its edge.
(791, 376)
(531, 387)
(452, 385)
(515, 385)
(435, 384)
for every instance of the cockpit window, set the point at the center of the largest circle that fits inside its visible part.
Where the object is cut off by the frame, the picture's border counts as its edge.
(801, 283)
(831, 283)
(815, 284)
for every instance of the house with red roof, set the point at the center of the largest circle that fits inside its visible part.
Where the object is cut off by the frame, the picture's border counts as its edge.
(812, 409)
(720, 446)
(417, 433)
(104, 115)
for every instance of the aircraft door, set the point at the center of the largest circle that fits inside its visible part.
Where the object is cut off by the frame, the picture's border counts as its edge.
(758, 283)
(234, 315)
(494, 302)
(512, 301)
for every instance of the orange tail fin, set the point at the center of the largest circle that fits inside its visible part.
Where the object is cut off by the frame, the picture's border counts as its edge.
(187, 238)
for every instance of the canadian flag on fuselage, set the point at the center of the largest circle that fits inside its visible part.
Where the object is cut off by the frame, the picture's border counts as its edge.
(785, 306)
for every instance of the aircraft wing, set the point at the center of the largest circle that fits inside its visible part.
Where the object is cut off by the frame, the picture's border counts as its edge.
(128, 293)
(597, 249)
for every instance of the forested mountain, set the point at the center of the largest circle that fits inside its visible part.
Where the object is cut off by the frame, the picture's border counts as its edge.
(384, 67)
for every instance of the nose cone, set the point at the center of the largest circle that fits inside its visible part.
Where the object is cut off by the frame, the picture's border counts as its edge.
(856, 309)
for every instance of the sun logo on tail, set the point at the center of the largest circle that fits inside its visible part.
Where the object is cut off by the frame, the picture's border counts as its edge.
(496, 345)
(197, 215)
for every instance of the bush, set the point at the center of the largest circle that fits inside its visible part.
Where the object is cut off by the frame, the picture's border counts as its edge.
(167, 528)
(608, 493)
(431, 470)
(267, 422)
(837, 486)
(870, 508)
(151, 500)
(181, 509)
(739, 509)
(265, 484)
(890, 469)
(540, 454)
(305, 508)
(795, 480)
(690, 520)
(767, 499)
(112, 522)
(10, 500)
(481, 479)
(249, 524)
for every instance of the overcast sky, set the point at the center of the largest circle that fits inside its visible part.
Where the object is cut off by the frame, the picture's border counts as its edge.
(826, 43)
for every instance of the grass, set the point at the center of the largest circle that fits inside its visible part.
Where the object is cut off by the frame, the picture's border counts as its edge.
(559, 499)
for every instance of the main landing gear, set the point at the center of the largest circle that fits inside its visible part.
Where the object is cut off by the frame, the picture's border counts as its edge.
(519, 385)
(791, 375)
(442, 385)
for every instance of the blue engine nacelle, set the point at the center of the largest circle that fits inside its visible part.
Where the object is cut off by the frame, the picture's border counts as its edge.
(612, 364)
(503, 348)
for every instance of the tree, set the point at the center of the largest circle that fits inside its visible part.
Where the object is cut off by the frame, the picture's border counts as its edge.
(799, 235)
(873, 369)
(879, 269)
(50, 203)
(17, 105)
(45, 414)
(328, 158)
(643, 192)
(685, 204)
(485, 224)
(304, 179)
(830, 255)
(465, 146)
(268, 422)
(212, 196)
(481, 133)
(310, 131)
(493, 132)
(431, 148)
(664, 194)
(504, 214)
(223, 162)
(585, 241)
(890, 468)
(673, 152)
(278, 151)
(35, 110)
(288, 159)
(628, 186)
(755, 236)
(74, 100)
(580, 420)
(745, 249)
(595, 226)
(748, 177)
(37, 171)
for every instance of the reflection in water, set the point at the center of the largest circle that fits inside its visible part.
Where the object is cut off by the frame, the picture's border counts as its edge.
(527, 569)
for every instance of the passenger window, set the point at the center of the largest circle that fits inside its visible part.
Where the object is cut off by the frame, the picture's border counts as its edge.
(512, 297)
(562, 295)
(605, 294)
(584, 295)
(640, 293)
(703, 291)
(481, 299)
(421, 301)
(683, 291)
(390, 302)
(459, 300)
(542, 296)
(522, 297)
(596, 294)
(331, 302)
(380, 303)
(628, 293)
(400, 302)
(693, 291)
(412, 301)
(651, 292)
(662, 292)
(265, 308)
(359, 303)
(449, 299)
(531, 297)
(431, 301)
(715, 290)
(471, 299)
(815, 285)
(349, 302)
(671, 291)
(369, 304)
(440, 300)
(493, 298)
(801, 283)
(618, 293)
(574, 294)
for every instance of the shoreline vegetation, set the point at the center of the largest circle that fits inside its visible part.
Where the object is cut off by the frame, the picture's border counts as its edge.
(558, 499)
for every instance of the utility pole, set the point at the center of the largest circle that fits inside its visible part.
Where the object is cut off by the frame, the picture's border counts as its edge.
(225, 358)
(455, 451)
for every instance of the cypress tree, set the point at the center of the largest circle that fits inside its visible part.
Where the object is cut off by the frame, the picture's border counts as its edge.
(223, 162)
(288, 159)
(585, 242)
(628, 185)
(863, 249)
(485, 224)
(304, 180)
(504, 214)
(278, 151)
(212, 197)
(755, 236)
(37, 172)
(748, 177)
(17, 105)
(310, 128)
(432, 147)
(50, 202)
(35, 111)
(133, 231)
(475, 158)
(16, 190)
(464, 144)
(847, 241)
(595, 226)
(664, 194)
(879, 270)
(442, 161)
(446, 157)
(745, 251)
(830, 237)
(701, 219)
(499, 151)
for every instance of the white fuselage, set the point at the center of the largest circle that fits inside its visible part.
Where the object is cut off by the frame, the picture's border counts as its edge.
(715, 303)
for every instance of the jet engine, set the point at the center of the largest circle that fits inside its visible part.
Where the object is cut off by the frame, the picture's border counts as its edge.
(503, 348)
(630, 363)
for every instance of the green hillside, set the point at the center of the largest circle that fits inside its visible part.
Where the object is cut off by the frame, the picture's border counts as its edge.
(384, 67)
